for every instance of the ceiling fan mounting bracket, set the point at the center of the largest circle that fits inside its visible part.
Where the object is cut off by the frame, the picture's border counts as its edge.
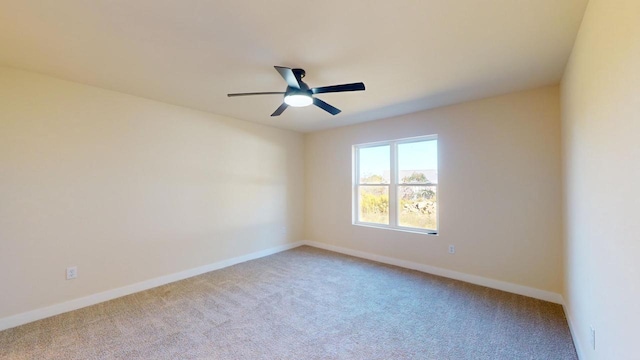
(299, 73)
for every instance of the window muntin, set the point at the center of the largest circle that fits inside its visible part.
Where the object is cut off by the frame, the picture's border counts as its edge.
(395, 184)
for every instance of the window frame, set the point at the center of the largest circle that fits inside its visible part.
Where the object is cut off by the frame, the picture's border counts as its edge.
(393, 185)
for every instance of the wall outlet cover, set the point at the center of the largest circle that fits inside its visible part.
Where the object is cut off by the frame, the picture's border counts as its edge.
(72, 272)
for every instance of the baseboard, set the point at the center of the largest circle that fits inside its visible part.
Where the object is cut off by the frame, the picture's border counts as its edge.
(473, 279)
(572, 329)
(42, 313)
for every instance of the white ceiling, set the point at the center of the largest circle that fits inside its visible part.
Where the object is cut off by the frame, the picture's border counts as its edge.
(411, 54)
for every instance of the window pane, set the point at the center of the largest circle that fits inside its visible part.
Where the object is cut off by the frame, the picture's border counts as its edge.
(418, 162)
(375, 163)
(374, 204)
(417, 207)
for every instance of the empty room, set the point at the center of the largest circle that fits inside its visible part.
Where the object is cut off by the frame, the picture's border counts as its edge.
(331, 180)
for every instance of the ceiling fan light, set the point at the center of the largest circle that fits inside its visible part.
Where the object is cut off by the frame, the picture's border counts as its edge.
(298, 100)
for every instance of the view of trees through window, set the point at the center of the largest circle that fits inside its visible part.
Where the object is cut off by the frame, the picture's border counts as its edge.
(408, 196)
(417, 206)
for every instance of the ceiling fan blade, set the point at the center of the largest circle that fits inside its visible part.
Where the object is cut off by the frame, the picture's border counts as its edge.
(326, 107)
(288, 76)
(338, 88)
(280, 109)
(257, 93)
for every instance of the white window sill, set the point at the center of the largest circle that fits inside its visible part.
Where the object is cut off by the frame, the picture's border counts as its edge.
(401, 229)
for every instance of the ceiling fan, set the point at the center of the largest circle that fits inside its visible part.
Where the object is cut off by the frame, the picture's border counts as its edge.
(298, 94)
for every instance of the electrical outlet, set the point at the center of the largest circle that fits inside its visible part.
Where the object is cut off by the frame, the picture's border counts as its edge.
(593, 337)
(72, 272)
(452, 249)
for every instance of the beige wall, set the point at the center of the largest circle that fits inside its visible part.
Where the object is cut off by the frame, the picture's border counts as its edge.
(130, 189)
(500, 189)
(601, 131)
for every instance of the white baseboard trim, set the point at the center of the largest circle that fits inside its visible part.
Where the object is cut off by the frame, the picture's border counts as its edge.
(572, 329)
(45, 312)
(473, 279)
(42, 313)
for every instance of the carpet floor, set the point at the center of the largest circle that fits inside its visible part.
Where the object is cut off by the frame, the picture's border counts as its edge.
(303, 303)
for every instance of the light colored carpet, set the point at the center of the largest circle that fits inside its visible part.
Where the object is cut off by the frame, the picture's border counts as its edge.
(304, 303)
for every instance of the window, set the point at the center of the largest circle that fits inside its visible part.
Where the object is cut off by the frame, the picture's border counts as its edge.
(396, 184)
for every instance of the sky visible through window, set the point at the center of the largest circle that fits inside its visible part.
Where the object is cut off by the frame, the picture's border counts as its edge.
(421, 155)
